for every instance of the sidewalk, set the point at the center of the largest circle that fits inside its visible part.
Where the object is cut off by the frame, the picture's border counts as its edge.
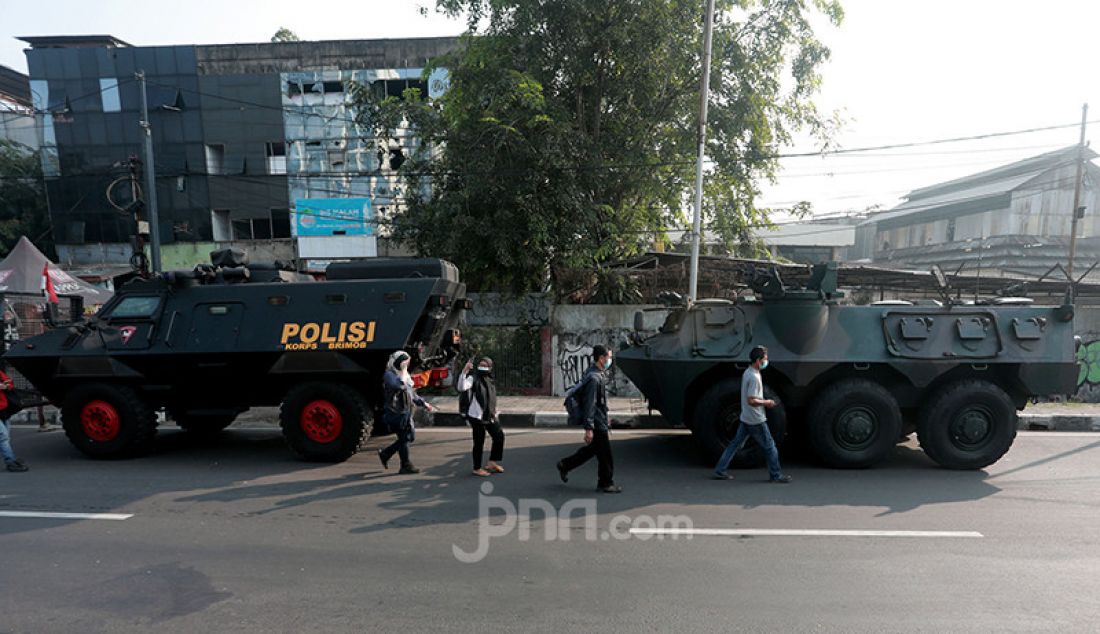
(630, 413)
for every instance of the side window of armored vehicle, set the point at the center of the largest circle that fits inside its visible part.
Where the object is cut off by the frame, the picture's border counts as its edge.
(135, 308)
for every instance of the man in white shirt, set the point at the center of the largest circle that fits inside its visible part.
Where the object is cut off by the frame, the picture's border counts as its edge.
(753, 421)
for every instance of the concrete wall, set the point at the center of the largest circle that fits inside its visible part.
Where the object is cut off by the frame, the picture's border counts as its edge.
(577, 328)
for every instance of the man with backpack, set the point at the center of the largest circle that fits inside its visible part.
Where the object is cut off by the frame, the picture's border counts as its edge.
(591, 397)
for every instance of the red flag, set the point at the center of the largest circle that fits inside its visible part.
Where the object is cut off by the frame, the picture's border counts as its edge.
(47, 284)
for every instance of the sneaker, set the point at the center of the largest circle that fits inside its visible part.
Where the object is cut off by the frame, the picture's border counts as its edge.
(408, 468)
(563, 473)
(783, 479)
(722, 476)
(611, 488)
(384, 459)
(17, 466)
(481, 473)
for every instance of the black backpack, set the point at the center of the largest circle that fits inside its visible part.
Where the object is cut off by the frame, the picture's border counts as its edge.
(573, 405)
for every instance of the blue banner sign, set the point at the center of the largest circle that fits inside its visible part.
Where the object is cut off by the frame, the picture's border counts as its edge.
(333, 217)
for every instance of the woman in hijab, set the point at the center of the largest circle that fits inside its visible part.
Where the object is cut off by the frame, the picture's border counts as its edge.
(398, 401)
(478, 404)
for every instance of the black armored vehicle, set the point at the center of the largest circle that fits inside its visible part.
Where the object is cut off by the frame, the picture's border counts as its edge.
(853, 380)
(208, 344)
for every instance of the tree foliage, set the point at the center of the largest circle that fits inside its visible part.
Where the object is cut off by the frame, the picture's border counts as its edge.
(23, 209)
(568, 134)
(285, 35)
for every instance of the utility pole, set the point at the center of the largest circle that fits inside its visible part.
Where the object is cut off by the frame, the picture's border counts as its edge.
(704, 96)
(1077, 191)
(150, 180)
(135, 197)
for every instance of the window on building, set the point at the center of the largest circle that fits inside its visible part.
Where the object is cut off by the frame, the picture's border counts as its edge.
(280, 223)
(242, 229)
(222, 228)
(276, 157)
(215, 158)
(108, 91)
(336, 159)
(263, 228)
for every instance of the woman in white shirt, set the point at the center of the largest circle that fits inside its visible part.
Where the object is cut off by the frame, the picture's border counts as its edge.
(478, 405)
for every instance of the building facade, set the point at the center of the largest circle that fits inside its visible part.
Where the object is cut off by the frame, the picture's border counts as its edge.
(1014, 220)
(256, 145)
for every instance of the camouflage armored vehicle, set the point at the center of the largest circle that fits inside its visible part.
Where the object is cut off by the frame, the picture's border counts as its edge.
(209, 344)
(853, 380)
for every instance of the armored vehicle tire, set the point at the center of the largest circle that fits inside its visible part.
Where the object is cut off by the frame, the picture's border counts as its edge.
(202, 424)
(967, 425)
(108, 421)
(854, 424)
(717, 417)
(326, 422)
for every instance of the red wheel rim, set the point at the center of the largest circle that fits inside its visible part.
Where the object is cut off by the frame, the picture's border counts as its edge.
(100, 421)
(321, 421)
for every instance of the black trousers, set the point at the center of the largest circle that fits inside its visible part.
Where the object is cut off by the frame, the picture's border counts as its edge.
(479, 427)
(401, 426)
(600, 447)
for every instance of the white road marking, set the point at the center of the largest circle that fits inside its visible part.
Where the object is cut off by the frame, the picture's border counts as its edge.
(68, 516)
(796, 532)
(577, 431)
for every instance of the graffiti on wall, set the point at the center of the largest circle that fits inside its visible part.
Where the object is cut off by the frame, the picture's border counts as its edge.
(1088, 359)
(574, 356)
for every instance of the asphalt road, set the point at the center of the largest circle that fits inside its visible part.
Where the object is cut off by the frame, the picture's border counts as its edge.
(237, 536)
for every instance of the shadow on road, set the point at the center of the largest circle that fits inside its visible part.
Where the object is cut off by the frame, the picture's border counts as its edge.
(656, 471)
(251, 473)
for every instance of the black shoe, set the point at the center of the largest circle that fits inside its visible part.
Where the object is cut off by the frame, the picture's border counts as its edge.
(408, 468)
(17, 466)
(722, 476)
(783, 479)
(611, 488)
(384, 459)
(563, 473)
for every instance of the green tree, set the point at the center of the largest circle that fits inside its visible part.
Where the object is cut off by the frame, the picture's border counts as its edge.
(285, 35)
(23, 209)
(567, 136)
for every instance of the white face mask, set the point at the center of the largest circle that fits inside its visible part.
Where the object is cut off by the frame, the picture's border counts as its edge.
(764, 364)
(483, 369)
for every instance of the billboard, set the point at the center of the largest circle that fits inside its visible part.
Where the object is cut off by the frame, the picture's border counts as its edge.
(333, 217)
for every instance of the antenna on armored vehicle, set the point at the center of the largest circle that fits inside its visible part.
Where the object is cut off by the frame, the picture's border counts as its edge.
(943, 288)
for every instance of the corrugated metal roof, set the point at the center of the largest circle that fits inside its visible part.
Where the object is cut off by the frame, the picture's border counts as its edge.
(1033, 165)
(982, 191)
(809, 234)
(15, 85)
(989, 190)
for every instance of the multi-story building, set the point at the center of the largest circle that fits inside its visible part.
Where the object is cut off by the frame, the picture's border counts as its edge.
(256, 145)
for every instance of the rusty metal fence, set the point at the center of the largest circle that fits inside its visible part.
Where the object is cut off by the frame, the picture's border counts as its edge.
(517, 353)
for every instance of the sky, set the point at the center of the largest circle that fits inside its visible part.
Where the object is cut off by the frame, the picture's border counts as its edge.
(901, 71)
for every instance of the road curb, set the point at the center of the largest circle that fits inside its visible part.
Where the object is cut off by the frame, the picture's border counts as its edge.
(1059, 423)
